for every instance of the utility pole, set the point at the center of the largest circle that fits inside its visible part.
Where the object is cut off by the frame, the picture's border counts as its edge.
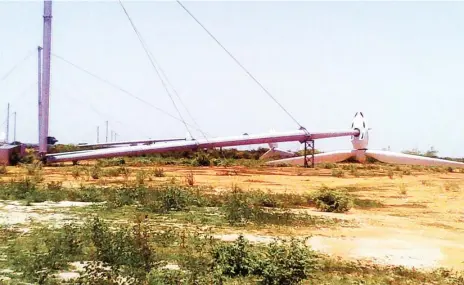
(47, 42)
(39, 87)
(106, 131)
(112, 135)
(115, 137)
(7, 137)
(14, 128)
(98, 134)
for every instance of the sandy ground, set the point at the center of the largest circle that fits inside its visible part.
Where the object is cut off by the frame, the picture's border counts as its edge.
(422, 228)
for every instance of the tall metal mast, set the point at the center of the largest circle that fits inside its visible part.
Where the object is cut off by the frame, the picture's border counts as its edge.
(39, 88)
(47, 42)
(7, 137)
(106, 131)
(98, 134)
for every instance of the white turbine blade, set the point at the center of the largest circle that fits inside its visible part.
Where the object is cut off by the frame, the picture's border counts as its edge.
(334, 156)
(401, 158)
(276, 153)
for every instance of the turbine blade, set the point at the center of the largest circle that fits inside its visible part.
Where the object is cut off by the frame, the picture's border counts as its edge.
(401, 158)
(334, 156)
(276, 153)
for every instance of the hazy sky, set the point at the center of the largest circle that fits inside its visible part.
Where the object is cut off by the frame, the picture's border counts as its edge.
(400, 63)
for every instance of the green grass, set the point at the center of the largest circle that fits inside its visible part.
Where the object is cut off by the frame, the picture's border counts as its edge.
(139, 248)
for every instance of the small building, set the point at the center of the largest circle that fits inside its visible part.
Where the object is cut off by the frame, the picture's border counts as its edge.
(10, 154)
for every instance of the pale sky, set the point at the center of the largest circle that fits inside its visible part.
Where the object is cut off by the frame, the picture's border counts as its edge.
(400, 63)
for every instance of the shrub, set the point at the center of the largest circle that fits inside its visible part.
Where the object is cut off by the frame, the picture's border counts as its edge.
(328, 165)
(165, 199)
(158, 172)
(238, 207)
(33, 168)
(141, 176)
(124, 248)
(75, 172)
(287, 262)
(407, 172)
(451, 186)
(235, 259)
(95, 172)
(38, 256)
(190, 179)
(403, 190)
(3, 169)
(25, 189)
(54, 185)
(390, 173)
(337, 172)
(201, 159)
(331, 200)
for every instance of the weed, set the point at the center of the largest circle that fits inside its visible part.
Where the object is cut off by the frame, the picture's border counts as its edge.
(288, 262)
(158, 172)
(76, 172)
(235, 259)
(406, 172)
(331, 200)
(328, 165)
(427, 183)
(141, 176)
(403, 189)
(337, 172)
(190, 179)
(238, 207)
(55, 185)
(3, 169)
(38, 256)
(33, 168)
(367, 203)
(355, 172)
(390, 173)
(169, 198)
(112, 172)
(451, 186)
(126, 248)
(95, 172)
(201, 159)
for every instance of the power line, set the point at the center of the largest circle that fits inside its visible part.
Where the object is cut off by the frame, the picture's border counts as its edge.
(178, 97)
(6, 75)
(154, 65)
(239, 64)
(119, 88)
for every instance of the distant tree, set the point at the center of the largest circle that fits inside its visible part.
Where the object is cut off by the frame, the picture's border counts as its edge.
(432, 152)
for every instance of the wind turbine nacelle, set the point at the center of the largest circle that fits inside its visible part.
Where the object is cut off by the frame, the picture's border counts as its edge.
(359, 124)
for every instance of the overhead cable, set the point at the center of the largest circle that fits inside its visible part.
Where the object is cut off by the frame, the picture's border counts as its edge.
(119, 88)
(239, 64)
(154, 65)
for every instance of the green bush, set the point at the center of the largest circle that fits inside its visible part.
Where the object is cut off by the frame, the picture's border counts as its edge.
(168, 198)
(201, 159)
(331, 200)
(287, 262)
(238, 207)
(235, 259)
(127, 249)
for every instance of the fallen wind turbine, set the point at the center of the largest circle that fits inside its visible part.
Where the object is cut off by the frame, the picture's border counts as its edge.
(360, 152)
(301, 135)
